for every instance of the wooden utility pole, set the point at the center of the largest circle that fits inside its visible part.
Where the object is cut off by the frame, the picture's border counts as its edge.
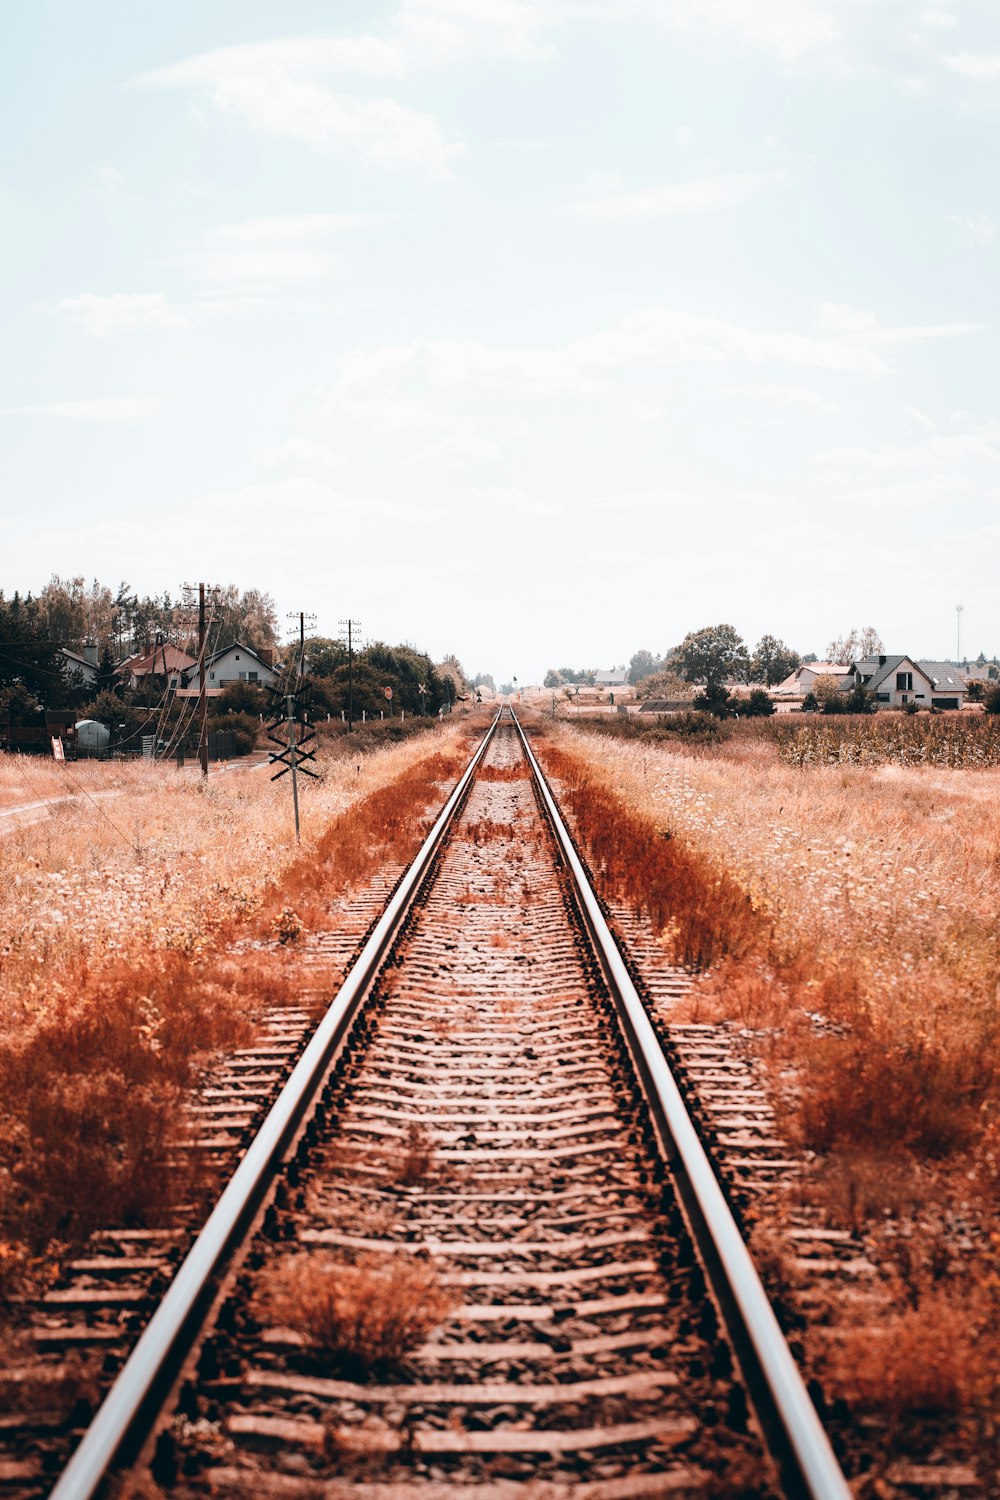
(348, 627)
(202, 697)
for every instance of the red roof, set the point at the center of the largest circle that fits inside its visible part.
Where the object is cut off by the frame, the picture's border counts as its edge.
(151, 662)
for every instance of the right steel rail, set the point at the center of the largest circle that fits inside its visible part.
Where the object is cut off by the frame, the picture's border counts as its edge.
(797, 1437)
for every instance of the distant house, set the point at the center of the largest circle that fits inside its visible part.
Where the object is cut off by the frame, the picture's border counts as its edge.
(163, 661)
(949, 687)
(81, 664)
(236, 663)
(897, 681)
(803, 679)
(614, 677)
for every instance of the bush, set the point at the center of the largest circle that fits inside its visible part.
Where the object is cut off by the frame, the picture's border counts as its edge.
(757, 706)
(991, 700)
(243, 727)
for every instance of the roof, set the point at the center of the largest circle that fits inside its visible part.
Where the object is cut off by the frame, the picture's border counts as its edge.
(81, 661)
(880, 668)
(793, 682)
(239, 646)
(944, 676)
(613, 677)
(151, 662)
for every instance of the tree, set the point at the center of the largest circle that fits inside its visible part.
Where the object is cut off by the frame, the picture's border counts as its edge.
(663, 684)
(552, 679)
(324, 655)
(713, 655)
(643, 664)
(107, 679)
(991, 700)
(855, 646)
(29, 657)
(772, 661)
(826, 689)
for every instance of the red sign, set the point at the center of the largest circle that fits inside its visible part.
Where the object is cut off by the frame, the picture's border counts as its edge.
(388, 692)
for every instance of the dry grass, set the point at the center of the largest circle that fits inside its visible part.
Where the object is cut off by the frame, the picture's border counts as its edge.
(847, 916)
(364, 1316)
(118, 969)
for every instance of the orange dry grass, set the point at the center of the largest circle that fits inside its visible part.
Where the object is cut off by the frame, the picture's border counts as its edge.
(117, 971)
(365, 1315)
(850, 918)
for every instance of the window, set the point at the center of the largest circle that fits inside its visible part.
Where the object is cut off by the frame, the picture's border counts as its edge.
(904, 682)
(251, 677)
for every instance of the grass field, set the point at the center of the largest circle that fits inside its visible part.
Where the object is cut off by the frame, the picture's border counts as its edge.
(845, 916)
(119, 911)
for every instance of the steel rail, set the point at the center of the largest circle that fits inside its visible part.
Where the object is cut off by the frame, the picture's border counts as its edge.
(798, 1439)
(142, 1385)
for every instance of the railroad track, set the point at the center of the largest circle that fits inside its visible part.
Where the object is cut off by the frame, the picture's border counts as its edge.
(482, 1144)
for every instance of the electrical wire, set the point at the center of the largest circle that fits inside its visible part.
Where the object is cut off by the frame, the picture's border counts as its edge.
(133, 845)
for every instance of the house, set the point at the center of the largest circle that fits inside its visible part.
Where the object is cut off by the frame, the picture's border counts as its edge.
(236, 663)
(81, 664)
(949, 687)
(163, 661)
(897, 681)
(803, 679)
(615, 677)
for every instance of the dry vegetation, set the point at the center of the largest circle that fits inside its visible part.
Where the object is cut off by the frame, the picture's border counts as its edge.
(846, 917)
(128, 952)
(363, 1316)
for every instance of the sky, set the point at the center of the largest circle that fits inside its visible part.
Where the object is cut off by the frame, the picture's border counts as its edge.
(536, 331)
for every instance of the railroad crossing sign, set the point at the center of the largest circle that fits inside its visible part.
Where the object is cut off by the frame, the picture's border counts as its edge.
(283, 731)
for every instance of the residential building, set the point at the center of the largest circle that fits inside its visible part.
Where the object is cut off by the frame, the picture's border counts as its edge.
(236, 663)
(803, 679)
(614, 677)
(81, 664)
(163, 660)
(898, 681)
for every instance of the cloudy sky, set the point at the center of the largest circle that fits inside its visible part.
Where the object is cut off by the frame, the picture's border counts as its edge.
(534, 330)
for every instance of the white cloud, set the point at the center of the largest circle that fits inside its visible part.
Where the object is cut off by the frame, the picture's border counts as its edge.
(380, 131)
(975, 229)
(862, 329)
(267, 255)
(297, 452)
(786, 395)
(98, 409)
(787, 28)
(976, 64)
(295, 87)
(512, 501)
(308, 57)
(704, 195)
(937, 18)
(651, 500)
(458, 448)
(120, 312)
(436, 32)
(372, 381)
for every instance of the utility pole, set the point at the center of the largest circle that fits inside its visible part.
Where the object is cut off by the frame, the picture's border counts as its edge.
(202, 696)
(293, 758)
(959, 611)
(348, 627)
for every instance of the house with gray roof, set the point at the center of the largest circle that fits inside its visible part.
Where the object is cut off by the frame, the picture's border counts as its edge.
(898, 681)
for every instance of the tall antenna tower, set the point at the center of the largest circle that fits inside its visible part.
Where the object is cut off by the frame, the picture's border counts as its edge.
(959, 611)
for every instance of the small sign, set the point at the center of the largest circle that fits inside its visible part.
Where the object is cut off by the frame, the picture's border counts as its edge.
(388, 692)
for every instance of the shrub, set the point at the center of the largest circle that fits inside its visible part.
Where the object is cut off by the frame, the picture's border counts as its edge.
(757, 706)
(991, 700)
(365, 1315)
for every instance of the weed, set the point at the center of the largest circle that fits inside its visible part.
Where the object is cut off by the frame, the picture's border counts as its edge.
(365, 1315)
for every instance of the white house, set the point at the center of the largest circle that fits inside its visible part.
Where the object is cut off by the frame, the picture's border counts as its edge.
(803, 679)
(236, 663)
(615, 677)
(896, 681)
(81, 664)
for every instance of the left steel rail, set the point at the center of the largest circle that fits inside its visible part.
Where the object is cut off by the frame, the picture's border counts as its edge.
(146, 1379)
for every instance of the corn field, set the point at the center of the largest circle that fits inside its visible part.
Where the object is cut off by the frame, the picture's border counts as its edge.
(883, 739)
